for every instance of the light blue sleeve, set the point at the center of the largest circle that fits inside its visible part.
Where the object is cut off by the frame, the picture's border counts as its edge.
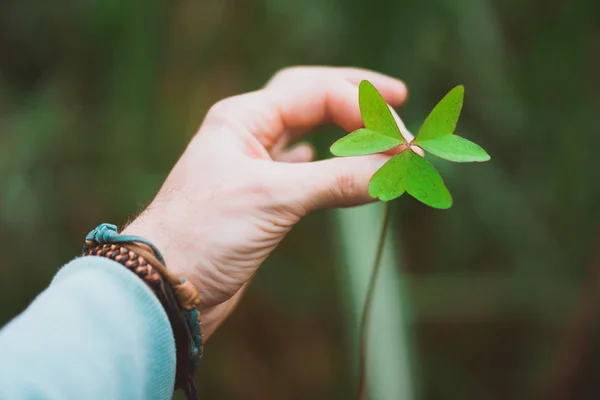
(98, 332)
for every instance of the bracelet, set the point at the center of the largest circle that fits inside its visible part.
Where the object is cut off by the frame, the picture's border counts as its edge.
(178, 296)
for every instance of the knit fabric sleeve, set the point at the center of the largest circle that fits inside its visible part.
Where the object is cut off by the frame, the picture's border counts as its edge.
(97, 332)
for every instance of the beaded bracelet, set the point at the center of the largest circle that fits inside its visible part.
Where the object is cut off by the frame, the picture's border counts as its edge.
(177, 295)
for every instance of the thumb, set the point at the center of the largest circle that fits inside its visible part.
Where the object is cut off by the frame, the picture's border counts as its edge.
(337, 182)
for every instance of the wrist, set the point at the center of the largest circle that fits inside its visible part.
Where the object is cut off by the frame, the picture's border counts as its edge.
(157, 232)
(181, 257)
(177, 295)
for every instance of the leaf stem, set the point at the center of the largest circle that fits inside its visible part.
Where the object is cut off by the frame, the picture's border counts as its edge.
(366, 312)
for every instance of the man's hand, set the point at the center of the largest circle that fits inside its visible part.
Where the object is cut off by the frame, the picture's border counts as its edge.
(238, 188)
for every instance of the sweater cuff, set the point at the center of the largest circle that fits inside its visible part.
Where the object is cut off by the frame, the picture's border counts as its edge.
(148, 320)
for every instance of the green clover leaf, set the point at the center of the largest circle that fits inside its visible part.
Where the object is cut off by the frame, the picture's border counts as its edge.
(408, 171)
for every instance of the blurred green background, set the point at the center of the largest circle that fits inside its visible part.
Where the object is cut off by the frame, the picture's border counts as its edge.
(501, 293)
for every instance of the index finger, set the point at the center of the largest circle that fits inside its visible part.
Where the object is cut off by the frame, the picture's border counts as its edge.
(309, 96)
(298, 99)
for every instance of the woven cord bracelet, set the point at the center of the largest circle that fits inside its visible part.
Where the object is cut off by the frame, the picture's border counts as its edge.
(178, 296)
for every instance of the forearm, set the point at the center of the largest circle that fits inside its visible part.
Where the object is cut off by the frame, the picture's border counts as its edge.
(97, 332)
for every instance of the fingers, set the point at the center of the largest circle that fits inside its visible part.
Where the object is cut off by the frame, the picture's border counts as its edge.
(353, 75)
(309, 96)
(293, 102)
(337, 182)
(301, 153)
(301, 98)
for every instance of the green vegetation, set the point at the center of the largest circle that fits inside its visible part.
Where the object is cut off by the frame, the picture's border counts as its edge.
(407, 171)
(98, 99)
(404, 172)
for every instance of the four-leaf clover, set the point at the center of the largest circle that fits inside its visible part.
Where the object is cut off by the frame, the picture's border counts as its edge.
(407, 171)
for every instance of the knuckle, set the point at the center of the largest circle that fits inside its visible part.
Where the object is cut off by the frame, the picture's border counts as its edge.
(262, 189)
(256, 184)
(347, 185)
(289, 73)
(285, 72)
(220, 109)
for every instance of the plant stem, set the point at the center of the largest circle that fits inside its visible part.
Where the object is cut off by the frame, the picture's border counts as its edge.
(366, 313)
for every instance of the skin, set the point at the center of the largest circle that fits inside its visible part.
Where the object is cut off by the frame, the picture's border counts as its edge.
(239, 188)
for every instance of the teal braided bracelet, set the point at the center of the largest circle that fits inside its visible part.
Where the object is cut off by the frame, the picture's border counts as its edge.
(178, 296)
(107, 234)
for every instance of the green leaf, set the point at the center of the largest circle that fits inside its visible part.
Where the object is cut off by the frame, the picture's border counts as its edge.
(362, 142)
(409, 172)
(442, 120)
(455, 148)
(425, 183)
(389, 182)
(375, 112)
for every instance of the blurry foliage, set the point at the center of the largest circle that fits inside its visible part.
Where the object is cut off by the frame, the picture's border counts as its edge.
(99, 98)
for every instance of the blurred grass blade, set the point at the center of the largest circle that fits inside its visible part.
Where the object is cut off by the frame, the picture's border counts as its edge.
(390, 336)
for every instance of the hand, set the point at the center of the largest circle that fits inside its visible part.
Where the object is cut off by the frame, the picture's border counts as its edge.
(238, 188)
